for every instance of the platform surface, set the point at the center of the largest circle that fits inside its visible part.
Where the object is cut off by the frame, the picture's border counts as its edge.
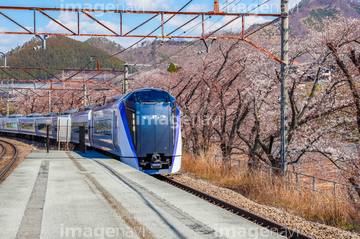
(72, 195)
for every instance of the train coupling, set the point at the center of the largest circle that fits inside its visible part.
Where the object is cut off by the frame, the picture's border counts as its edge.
(156, 161)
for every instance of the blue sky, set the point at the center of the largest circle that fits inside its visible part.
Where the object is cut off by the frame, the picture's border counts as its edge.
(130, 20)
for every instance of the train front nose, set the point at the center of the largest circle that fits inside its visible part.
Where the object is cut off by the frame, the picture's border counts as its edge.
(154, 133)
(151, 118)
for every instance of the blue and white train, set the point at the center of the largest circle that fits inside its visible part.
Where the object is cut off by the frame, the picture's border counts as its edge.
(142, 128)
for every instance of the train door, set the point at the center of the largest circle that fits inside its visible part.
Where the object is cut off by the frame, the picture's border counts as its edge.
(114, 132)
(19, 126)
(92, 130)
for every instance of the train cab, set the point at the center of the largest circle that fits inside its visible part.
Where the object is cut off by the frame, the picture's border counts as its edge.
(152, 124)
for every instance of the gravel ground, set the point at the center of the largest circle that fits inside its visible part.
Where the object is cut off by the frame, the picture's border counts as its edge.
(23, 151)
(309, 228)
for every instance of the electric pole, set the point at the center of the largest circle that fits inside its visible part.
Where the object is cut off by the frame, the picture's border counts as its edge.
(284, 83)
(84, 88)
(4, 58)
(49, 93)
(7, 108)
(126, 73)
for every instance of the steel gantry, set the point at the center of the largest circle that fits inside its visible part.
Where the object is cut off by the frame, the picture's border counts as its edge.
(164, 16)
(55, 79)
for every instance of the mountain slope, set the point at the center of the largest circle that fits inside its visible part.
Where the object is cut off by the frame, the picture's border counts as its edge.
(104, 44)
(61, 52)
(308, 15)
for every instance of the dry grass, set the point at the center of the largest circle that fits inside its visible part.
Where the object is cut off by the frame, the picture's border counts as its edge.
(256, 185)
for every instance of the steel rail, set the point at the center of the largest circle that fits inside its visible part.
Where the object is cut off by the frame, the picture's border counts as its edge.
(271, 225)
(3, 150)
(11, 163)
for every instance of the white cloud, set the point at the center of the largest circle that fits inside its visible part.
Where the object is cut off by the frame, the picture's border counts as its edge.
(251, 20)
(7, 42)
(86, 25)
(198, 8)
(142, 5)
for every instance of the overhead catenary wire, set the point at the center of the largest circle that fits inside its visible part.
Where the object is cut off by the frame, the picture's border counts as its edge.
(193, 28)
(193, 43)
(198, 24)
(113, 55)
(222, 7)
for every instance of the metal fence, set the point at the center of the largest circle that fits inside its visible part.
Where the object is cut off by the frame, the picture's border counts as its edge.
(336, 189)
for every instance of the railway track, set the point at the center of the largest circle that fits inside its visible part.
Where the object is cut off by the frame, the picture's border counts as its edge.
(271, 225)
(8, 157)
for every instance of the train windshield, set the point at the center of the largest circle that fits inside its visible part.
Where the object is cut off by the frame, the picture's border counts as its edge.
(150, 96)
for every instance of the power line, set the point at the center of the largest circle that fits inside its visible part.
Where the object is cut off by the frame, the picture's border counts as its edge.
(148, 34)
(194, 29)
(193, 43)
(198, 24)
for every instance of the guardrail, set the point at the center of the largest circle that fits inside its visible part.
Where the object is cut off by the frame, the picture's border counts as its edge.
(300, 179)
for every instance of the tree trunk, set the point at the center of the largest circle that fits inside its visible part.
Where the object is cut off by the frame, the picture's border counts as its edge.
(353, 182)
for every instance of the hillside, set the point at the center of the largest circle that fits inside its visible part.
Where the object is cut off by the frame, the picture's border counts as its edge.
(309, 15)
(61, 52)
(104, 44)
(147, 52)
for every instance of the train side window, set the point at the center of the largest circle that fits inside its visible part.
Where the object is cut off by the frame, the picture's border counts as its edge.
(11, 125)
(75, 127)
(27, 126)
(102, 127)
(131, 120)
(55, 125)
(42, 127)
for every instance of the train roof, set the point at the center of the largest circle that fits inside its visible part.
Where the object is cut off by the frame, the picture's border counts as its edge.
(68, 112)
(115, 99)
(150, 95)
(90, 107)
(16, 116)
(34, 115)
(51, 114)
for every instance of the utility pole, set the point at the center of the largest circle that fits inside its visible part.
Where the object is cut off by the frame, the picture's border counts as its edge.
(49, 93)
(126, 73)
(7, 108)
(84, 88)
(63, 78)
(216, 6)
(227, 6)
(284, 83)
(4, 58)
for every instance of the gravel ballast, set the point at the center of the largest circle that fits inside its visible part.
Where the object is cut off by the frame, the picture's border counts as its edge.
(309, 228)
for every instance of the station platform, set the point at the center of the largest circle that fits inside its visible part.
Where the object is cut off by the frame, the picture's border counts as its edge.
(72, 195)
